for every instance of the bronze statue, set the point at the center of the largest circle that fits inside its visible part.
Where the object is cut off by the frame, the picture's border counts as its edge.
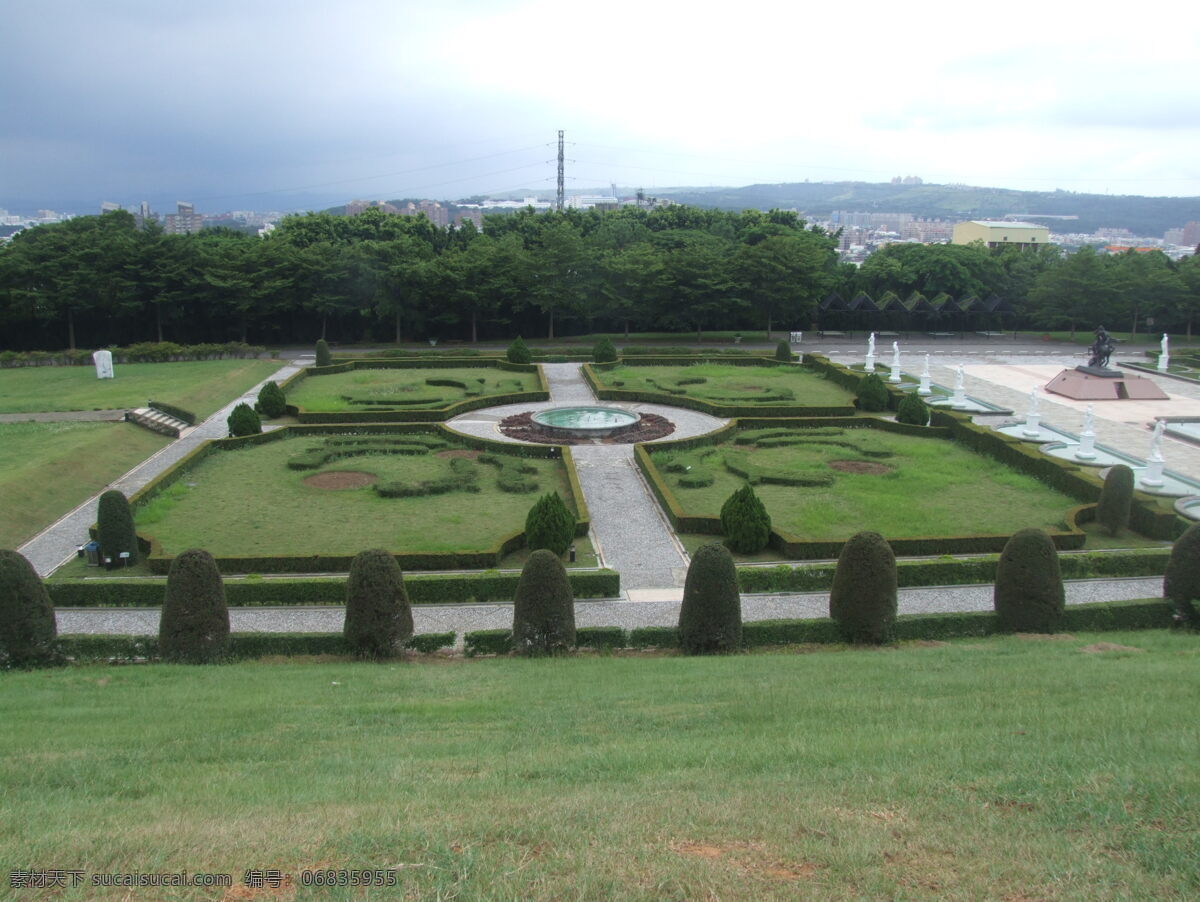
(1101, 350)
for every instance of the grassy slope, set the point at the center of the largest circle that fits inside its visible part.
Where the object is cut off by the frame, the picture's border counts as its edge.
(46, 469)
(248, 502)
(724, 379)
(201, 386)
(936, 488)
(993, 769)
(324, 393)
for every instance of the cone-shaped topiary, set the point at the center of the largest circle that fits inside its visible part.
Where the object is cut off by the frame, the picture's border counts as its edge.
(872, 394)
(324, 358)
(783, 351)
(271, 402)
(114, 527)
(710, 618)
(1116, 500)
(378, 614)
(604, 351)
(518, 352)
(863, 597)
(1029, 596)
(194, 627)
(912, 410)
(549, 524)
(244, 421)
(745, 522)
(543, 607)
(27, 627)
(1181, 584)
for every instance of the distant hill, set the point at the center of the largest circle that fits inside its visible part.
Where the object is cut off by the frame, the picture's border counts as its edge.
(1144, 216)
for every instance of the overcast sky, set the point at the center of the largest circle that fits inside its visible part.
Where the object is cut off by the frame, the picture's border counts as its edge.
(273, 105)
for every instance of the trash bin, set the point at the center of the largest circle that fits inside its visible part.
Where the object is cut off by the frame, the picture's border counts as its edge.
(91, 551)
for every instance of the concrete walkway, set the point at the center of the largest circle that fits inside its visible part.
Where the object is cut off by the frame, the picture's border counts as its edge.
(57, 544)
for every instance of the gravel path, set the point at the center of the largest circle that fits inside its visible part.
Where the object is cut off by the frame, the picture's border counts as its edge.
(56, 544)
(626, 614)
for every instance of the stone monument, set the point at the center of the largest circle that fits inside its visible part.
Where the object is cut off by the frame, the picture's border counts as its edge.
(104, 365)
(1096, 382)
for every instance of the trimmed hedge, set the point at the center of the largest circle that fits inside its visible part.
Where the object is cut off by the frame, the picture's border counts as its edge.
(114, 528)
(27, 625)
(543, 608)
(1029, 595)
(1181, 584)
(1116, 500)
(242, 646)
(178, 413)
(244, 421)
(378, 615)
(863, 598)
(475, 588)
(271, 401)
(142, 352)
(710, 617)
(194, 625)
(324, 357)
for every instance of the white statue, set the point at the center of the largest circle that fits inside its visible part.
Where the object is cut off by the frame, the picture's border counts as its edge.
(1162, 345)
(959, 379)
(1164, 356)
(1089, 417)
(1156, 438)
(104, 364)
(871, 345)
(924, 388)
(1033, 400)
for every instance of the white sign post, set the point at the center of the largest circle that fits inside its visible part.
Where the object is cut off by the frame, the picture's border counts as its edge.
(104, 366)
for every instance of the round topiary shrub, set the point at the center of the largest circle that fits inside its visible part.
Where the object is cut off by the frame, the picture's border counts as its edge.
(194, 627)
(1029, 595)
(912, 410)
(863, 597)
(1181, 584)
(27, 628)
(378, 614)
(114, 528)
(518, 352)
(1116, 500)
(710, 618)
(549, 525)
(604, 351)
(745, 522)
(543, 607)
(872, 394)
(271, 401)
(244, 421)
(783, 351)
(324, 357)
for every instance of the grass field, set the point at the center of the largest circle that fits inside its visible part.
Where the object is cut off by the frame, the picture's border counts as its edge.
(248, 502)
(404, 389)
(922, 487)
(725, 384)
(1004, 768)
(46, 469)
(201, 386)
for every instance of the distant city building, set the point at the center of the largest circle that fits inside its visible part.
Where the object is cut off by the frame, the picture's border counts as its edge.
(998, 234)
(1173, 236)
(108, 207)
(517, 204)
(908, 180)
(184, 221)
(1191, 234)
(144, 215)
(592, 201)
(475, 216)
(928, 231)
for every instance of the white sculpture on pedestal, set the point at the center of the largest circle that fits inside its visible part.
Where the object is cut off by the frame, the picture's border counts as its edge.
(895, 376)
(870, 364)
(1155, 462)
(959, 398)
(1033, 427)
(1164, 355)
(104, 364)
(924, 388)
(1087, 438)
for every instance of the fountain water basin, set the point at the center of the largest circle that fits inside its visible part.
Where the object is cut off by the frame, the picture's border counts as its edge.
(586, 422)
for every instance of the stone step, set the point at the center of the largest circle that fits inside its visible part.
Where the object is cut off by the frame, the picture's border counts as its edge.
(156, 421)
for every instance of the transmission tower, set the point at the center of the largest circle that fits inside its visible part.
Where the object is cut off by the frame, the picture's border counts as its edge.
(561, 198)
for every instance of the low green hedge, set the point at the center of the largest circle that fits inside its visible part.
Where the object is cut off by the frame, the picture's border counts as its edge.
(499, 642)
(471, 588)
(143, 352)
(242, 646)
(171, 410)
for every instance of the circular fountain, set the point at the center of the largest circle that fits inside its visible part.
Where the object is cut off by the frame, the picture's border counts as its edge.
(586, 422)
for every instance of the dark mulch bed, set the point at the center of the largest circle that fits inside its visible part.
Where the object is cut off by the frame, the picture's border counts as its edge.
(651, 427)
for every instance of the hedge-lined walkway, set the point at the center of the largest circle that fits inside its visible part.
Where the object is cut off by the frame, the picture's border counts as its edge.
(627, 615)
(57, 543)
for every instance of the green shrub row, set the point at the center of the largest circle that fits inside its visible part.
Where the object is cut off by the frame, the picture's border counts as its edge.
(956, 572)
(143, 352)
(171, 410)
(456, 589)
(463, 477)
(242, 646)
(850, 379)
(514, 473)
(499, 642)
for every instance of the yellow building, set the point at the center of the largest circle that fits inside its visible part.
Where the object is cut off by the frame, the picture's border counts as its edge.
(999, 234)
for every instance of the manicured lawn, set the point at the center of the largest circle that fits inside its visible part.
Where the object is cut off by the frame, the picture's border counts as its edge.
(46, 469)
(726, 384)
(248, 502)
(201, 386)
(404, 389)
(999, 768)
(922, 487)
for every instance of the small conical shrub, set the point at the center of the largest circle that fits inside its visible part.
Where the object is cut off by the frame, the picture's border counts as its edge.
(710, 618)
(1029, 595)
(378, 615)
(114, 528)
(271, 401)
(27, 627)
(783, 351)
(244, 421)
(913, 410)
(194, 627)
(549, 524)
(863, 597)
(543, 607)
(518, 352)
(745, 522)
(1116, 500)
(604, 351)
(324, 357)
(872, 393)
(1181, 584)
